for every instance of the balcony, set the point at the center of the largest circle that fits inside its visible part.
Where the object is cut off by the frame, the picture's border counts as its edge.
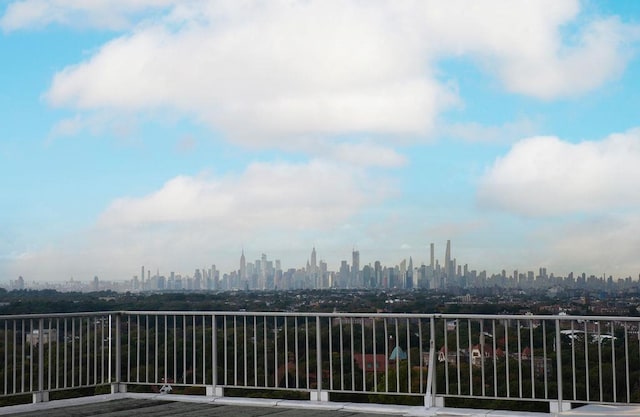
(420, 364)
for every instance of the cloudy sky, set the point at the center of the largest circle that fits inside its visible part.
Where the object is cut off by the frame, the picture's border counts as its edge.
(172, 134)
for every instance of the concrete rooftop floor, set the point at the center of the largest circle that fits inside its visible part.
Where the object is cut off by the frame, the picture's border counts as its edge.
(142, 405)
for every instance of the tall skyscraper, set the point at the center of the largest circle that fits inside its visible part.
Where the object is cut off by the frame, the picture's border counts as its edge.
(355, 269)
(314, 262)
(447, 260)
(433, 257)
(243, 267)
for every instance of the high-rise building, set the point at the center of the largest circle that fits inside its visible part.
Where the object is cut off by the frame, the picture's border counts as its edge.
(432, 264)
(314, 263)
(355, 269)
(447, 257)
(243, 267)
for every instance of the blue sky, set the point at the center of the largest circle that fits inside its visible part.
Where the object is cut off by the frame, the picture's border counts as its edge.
(173, 134)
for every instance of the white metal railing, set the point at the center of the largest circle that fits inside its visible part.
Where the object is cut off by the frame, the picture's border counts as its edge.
(561, 360)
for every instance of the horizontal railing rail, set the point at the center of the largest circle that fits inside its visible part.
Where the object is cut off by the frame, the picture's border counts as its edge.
(560, 360)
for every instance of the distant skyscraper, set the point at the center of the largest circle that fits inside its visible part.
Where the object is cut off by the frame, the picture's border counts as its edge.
(355, 269)
(433, 257)
(314, 262)
(243, 266)
(447, 260)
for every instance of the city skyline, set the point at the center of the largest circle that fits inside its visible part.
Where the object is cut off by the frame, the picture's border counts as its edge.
(174, 134)
(270, 274)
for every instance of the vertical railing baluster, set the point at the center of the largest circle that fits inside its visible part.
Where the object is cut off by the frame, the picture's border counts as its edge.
(626, 359)
(482, 356)
(204, 350)
(519, 360)
(495, 358)
(244, 323)
(408, 354)
(235, 350)
(275, 337)
(265, 338)
(286, 353)
(319, 358)
(175, 348)
(531, 360)
(49, 353)
(446, 354)
(386, 354)
(40, 354)
(446, 357)
(352, 349)
(184, 348)
(586, 360)
(214, 352)
(137, 347)
(255, 350)
(307, 348)
(421, 350)
(128, 348)
(507, 357)
(341, 356)
(24, 335)
(397, 350)
(330, 351)
(165, 378)
(118, 349)
(545, 357)
(364, 361)
(559, 364)
(599, 341)
(431, 391)
(470, 353)
(613, 362)
(573, 358)
(194, 356)
(6, 353)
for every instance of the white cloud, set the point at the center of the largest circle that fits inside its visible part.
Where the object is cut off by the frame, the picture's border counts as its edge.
(194, 221)
(476, 132)
(279, 72)
(525, 43)
(607, 244)
(309, 196)
(367, 154)
(104, 14)
(549, 176)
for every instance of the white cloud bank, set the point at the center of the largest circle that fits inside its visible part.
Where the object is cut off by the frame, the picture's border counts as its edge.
(192, 222)
(581, 199)
(312, 196)
(265, 72)
(549, 176)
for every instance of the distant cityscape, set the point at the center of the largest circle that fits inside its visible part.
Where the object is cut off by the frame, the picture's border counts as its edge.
(266, 274)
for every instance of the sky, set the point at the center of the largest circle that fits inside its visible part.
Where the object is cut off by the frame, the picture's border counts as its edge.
(176, 134)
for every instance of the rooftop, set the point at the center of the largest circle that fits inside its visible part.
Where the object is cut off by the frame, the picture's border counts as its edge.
(158, 405)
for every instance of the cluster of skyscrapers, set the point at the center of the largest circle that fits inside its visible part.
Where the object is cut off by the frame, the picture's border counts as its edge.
(265, 274)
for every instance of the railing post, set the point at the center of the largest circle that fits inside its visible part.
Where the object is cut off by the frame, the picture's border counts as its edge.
(319, 394)
(214, 390)
(115, 351)
(430, 395)
(41, 395)
(560, 405)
